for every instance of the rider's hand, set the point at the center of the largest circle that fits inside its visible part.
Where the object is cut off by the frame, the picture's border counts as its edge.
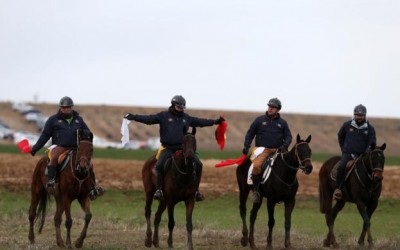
(33, 151)
(245, 150)
(282, 149)
(219, 120)
(129, 116)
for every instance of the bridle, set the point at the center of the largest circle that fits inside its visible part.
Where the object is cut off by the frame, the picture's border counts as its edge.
(375, 171)
(78, 164)
(297, 158)
(187, 153)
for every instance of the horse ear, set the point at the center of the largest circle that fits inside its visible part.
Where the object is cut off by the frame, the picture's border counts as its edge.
(308, 139)
(298, 138)
(383, 147)
(194, 130)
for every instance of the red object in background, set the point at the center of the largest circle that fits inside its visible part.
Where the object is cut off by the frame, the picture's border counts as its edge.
(24, 146)
(220, 134)
(231, 162)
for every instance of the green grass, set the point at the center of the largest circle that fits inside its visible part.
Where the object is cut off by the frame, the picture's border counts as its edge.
(143, 154)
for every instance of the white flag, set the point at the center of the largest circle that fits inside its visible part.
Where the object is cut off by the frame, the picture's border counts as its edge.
(125, 131)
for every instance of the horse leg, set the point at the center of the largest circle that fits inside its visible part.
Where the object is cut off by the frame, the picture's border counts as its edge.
(37, 195)
(271, 221)
(147, 214)
(244, 193)
(330, 217)
(68, 222)
(253, 217)
(85, 205)
(362, 209)
(171, 223)
(189, 226)
(289, 206)
(370, 211)
(58, 220)
(157, 219)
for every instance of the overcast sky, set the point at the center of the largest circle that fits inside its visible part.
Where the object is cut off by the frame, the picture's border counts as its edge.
(317, 57)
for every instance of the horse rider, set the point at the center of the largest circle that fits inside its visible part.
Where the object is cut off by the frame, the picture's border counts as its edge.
(173, 124)
(62, 129)
(355, 138)
(271, 132)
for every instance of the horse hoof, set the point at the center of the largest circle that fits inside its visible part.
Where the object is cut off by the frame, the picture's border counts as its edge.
(78, 244)
(326, 244)
(244, 241)
(147, 242)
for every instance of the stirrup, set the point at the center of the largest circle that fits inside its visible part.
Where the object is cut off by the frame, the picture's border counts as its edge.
(337, 194)
(158, 195)
(256, 197)
(96, 192)
(199, 196)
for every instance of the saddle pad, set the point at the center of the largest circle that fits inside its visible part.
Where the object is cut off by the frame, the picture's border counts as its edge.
(349, 168)
(265, 175)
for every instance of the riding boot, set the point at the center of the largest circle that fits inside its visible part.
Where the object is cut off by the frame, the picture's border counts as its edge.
(337, 194)
(95, 191)
(197, 175)
(256, 184)
(158, 195)
(51, 175)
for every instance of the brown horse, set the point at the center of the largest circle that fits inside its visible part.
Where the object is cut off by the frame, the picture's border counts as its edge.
(180, 184)
(73, 183)
(281, 186)
(362, 186)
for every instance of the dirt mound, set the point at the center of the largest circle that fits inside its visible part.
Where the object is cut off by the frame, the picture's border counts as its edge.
(16, 173)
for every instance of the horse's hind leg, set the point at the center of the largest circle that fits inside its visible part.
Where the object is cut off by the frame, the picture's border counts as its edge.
(85, 204)
(157, 220)
(68, 222)
(147, 214)
(253, 217)
(244, 193)
(35, 198)
(57, 222)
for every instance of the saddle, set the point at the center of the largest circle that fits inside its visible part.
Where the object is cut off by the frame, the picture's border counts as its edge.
(348, 169)
(63, 160)
(265, 169)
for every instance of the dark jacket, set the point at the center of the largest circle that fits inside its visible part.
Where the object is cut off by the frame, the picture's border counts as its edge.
(354, 139)
(269, 133)
(173, 125)
(60, 132)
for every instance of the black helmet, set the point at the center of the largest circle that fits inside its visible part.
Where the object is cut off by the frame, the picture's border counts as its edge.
(179, 101)
(66, 102)
(360, 110)
(274, 102)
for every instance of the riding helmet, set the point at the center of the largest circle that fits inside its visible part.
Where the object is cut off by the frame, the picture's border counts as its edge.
(360, 110)
(274, 102)
(179, 101)
(66, 102)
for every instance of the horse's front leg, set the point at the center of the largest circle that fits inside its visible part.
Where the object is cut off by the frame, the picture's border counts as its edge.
(330, 218)
(362, 209)
(85, 204)
(271, 221)
(189, 225)
(68, 221)
(157, 219)
(244, 193)
(370, 210)
(253, 217)
(289, 206)
(58, 220)
(171, 224)
(147, 214)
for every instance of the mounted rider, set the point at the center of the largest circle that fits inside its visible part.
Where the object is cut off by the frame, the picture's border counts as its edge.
(355, 138)
(62, 129)
(272, 133)
(173, 124)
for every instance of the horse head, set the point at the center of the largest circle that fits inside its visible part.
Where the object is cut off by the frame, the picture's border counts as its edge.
(189, 144)
(376, 161)
(84, 152)
(303, 154)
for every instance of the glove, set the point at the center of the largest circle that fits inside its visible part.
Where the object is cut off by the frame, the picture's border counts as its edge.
(245, 150)
(282, 149)
(33, 151)
(219, 120)
(129, 116)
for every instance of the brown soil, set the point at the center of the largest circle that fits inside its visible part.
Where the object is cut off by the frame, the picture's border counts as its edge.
(16, 171)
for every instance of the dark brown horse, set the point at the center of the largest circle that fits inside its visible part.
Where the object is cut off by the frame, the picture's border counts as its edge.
(73, 183)
(281, 186)
(180, 184)
(362, 187)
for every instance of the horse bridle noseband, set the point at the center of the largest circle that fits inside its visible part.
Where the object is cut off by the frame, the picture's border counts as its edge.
(77, 165)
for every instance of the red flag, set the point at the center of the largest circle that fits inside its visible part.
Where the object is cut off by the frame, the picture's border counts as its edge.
(24, 146)
(231, 162)
(220, 134)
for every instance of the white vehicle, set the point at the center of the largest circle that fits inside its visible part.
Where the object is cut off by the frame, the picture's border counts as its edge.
(31, 137)
(21, 107)
(5, 132)
(153, 143)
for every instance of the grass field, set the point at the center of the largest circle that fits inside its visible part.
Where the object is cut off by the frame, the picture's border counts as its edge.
(118, 223)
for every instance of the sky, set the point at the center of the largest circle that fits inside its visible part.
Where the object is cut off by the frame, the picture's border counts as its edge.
(316, 56)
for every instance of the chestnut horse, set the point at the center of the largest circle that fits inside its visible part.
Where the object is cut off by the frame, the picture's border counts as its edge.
(281, 186)
(180, 184)
(362, 186)
(73, 183)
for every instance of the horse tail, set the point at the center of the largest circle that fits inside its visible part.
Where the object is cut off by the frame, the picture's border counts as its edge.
(325, 189)
(44, 196)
